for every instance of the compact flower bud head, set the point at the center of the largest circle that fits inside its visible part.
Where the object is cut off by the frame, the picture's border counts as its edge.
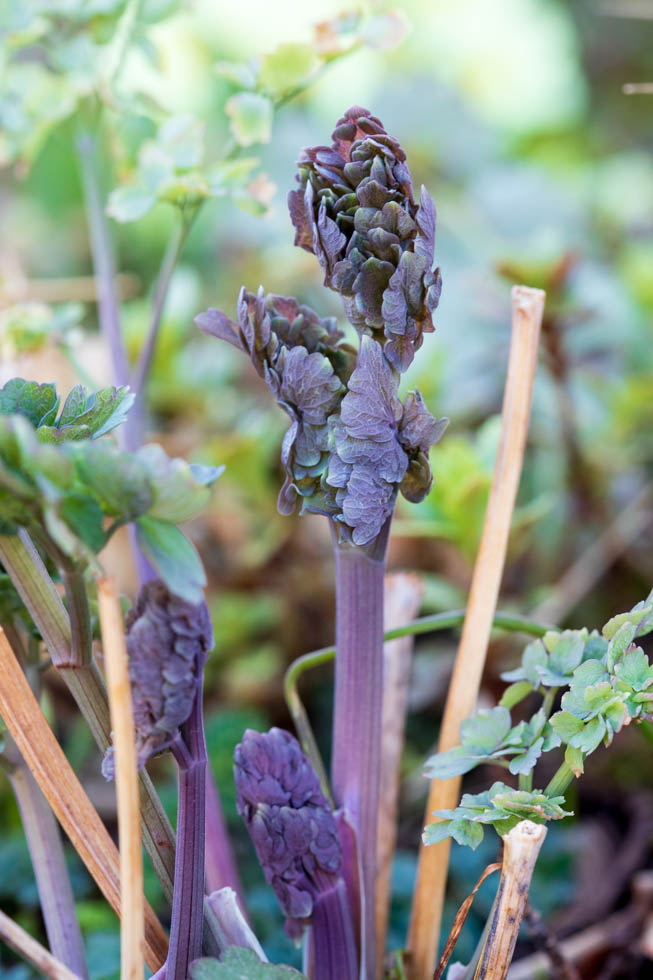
(168, 640)
(295, 835)
(355, 211)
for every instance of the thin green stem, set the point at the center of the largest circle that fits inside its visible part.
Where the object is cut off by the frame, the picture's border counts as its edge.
(425, 624)
(561, 781)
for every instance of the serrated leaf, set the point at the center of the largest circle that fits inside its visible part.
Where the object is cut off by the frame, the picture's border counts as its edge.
(636, 615)
(515, 693)
(287, 67)
(28, 398)
(74, 405)
(105, 410)
(436, 832)
(525, 762)
(567, 653)
(130, 203)
(238, 963)
(173, 557)
(466, 832)
(485, 730)
(590, 737)
(635, 670)
(251, 118)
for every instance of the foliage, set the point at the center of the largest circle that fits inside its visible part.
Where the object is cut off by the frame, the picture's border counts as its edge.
(608, 683)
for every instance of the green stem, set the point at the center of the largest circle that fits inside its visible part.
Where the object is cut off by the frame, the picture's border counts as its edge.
(561, 781)
(425, 624)
(35, 587)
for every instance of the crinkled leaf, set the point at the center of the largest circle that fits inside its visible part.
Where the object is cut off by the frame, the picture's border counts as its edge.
(34, 401)
(173, 557)
(238, 963)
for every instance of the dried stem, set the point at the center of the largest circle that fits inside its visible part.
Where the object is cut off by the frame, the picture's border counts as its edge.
(527, 309)
(49, 864)
(24, 719)
(38, 956)
(35, 587)
(521, 847)
(403, 594)
(122, 721)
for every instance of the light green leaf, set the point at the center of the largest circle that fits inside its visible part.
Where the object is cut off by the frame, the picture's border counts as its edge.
(182, 139)
(238, 963)
(180, 490)
(287, 67)
(241, 73)
(251, 118)
(485, 730)
(466, 832)
(566, 725)
(173, 557)
(84, 515)
(130, 203)
(455, 762)
(515, 693)
(619, 643)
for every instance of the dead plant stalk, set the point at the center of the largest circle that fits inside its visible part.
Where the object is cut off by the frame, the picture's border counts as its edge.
(527, 310)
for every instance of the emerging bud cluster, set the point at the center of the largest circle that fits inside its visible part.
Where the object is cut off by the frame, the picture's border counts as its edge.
(168, 640)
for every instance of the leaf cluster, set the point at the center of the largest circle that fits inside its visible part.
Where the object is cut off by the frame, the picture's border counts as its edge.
(58, 475)
(237, 962)
(607, 683)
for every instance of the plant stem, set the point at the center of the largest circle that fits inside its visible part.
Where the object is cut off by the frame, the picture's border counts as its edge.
(527, 309)
(333, 946)
(122, 720)
(358, 705)
(38, 956)
(134, 425)
(35, 587)
(220, 867)
(560, 781)
(102, 252)
(49, 864)
(493, 956)
(189, 751)
(317, 658)
(78, 817)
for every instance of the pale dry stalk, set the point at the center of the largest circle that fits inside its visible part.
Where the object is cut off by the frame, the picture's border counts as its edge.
(30, 950)
(38, 746)
(127, 795)
(527, 309)
(403, 594)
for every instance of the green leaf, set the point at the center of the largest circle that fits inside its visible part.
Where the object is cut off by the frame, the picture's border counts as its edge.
(637, 615)
(237, 963)
(515, 693)
(34, 401)
(240, 73)
(130, 203)
(84, 515)
(635, 670)
(485, 730)
(566, 725)
(454, 762)
(567, 653)
(533, 657)
(575, 760)
(466, 832)
(590, 737)
(251, 118)
(182, 139)
(619, 643)
(436, 832)
(287, 67)
(120, 481)
(526, 761)
(180, 490)
(173, 557)
(74, 405)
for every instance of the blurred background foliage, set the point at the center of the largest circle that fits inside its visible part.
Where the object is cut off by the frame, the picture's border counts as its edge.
(513, 115)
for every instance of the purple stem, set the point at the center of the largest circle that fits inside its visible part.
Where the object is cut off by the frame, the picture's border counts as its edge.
(358, 702)
(220, 866)
(189, 751)
(52, 880)
(333, 946)
(102, 252)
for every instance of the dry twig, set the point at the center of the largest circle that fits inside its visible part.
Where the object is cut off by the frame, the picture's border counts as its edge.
(527, 309)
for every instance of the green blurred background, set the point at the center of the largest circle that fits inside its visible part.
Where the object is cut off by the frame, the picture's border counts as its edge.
(512, 113)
